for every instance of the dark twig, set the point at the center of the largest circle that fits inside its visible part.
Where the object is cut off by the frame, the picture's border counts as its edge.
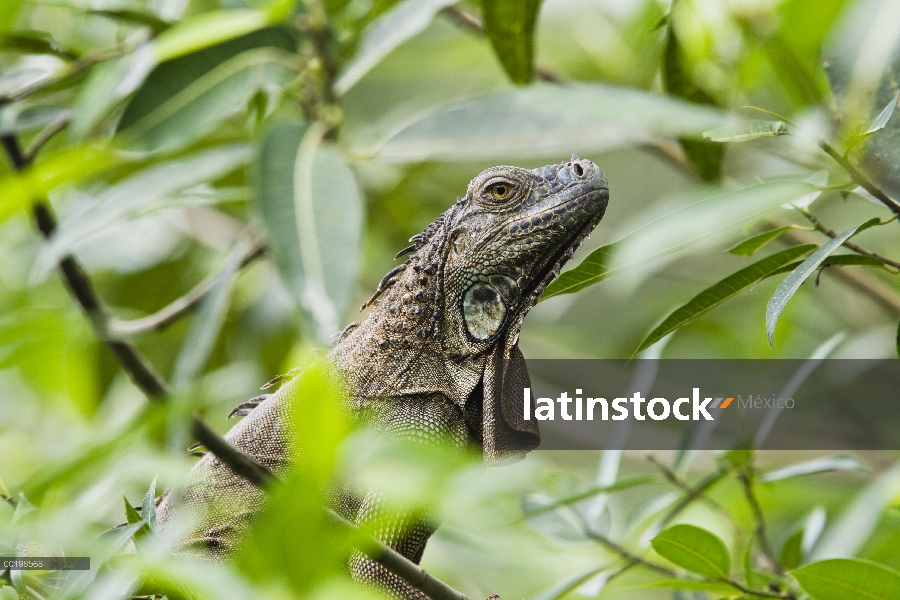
(181, 306)
(761, 536)
(848, 244)
(698, 492)
(860, 178)
(624, 553)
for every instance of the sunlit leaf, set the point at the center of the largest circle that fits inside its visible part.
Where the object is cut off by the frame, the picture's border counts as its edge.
(848, 579)
(19, 190)
(745, 131)
(509, 25)
(542, 120)
(402, 22)
(695, 549)
(883, 117)
(789, 286)
(206, 29)
(840, 462)
(701, 221)
(727, 288)
(312, 209)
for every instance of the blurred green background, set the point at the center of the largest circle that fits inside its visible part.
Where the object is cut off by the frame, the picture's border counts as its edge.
(174, 138)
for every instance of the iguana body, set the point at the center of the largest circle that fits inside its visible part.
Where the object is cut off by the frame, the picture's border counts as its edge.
(436, 359)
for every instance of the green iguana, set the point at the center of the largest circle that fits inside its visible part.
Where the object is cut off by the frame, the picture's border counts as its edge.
(435, 360)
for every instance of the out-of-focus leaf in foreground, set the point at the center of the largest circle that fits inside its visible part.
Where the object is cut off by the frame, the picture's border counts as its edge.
(745, 131)
(701, 221)
(721, 291)
(509, 25)
(848, 579)
(541, 119)
(312, 209)
(840, 462)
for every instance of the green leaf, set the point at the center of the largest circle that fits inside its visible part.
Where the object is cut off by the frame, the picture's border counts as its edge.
(701, 221)
(789, 286)
(509, 25)
(131, 515)
(16, 119)
(137, 17)
(195, 110)
(826, 464)
(8, 593)
(312, 210)
(848, 579)
(712, 587)
(540, 120)
(791, 552)
(751, 245)
(402, 22)
(695, 549)
(727, 288)
(746, 130)
(877, 124)
(206, 29)
(8, 11)
(705, 157)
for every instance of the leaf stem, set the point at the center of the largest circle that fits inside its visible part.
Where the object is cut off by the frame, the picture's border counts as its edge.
(761, 535)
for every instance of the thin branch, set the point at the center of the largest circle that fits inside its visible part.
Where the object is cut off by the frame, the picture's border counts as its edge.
(861, 178)
(44, 136)
(848, 244)
(181, 306)
(241, 463)
(624, 553)
(761, 536)
(692, 493)
(761, 593)
(701, 489)
(82, 289)
(467, 20)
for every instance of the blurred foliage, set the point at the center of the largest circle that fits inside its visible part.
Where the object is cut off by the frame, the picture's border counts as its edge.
(174, 138)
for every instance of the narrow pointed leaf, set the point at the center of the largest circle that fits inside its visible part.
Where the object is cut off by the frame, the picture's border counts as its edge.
(883, 117)
(751, 245)
(819, 465)
(701, 221)
(746, 131)
(789, 286)
(402, 22)
(205, 30)
(849, 579)
(131, 515)
(148, 506)
(509, 25)
(727, 288)
(695, 549)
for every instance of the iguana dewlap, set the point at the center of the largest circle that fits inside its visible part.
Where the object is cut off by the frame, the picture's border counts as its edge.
(435, 360)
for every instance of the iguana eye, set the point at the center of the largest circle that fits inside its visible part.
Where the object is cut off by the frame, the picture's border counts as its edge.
(499, 190)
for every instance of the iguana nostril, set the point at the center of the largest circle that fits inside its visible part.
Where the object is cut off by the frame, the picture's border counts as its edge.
(579, 170)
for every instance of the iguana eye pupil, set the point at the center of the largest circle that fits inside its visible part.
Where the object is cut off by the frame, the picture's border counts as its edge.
(500, 190)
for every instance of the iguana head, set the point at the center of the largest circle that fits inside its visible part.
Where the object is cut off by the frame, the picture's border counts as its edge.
(508, 239)
(450, 316)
